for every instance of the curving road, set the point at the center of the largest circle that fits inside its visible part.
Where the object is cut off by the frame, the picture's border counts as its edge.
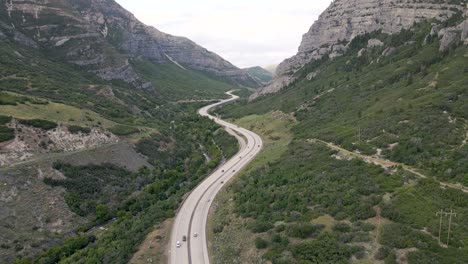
(193, 215)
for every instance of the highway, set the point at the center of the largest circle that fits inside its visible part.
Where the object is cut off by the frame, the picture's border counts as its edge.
(193, 215)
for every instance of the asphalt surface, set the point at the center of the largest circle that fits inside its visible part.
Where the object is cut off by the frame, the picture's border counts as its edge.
(193, 215)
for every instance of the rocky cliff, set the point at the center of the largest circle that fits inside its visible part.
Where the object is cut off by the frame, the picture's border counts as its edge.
(102, 36)
(345, 19)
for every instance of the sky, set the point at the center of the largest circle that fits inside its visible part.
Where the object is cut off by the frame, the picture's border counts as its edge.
(245, 32)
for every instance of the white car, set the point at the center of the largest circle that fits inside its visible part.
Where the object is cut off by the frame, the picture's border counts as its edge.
(178, 244)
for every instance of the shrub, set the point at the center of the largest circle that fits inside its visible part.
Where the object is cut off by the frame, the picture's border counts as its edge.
(382, 253)
(261, 243)
(6, 133)
(4, 119)
(38, 123)
(303, 230)
(260, 226)
(77, 129)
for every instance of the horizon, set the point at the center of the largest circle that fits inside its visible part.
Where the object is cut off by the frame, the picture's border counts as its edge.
(246, 33)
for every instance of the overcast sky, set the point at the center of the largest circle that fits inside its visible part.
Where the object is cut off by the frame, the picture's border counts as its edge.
(245, 32)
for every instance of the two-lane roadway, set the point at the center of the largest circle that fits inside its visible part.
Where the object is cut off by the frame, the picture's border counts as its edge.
(192, 217)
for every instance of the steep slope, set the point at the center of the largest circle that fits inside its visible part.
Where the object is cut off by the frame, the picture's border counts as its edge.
(93, 128)
(358, 151)
(344, 20)
(101, 36)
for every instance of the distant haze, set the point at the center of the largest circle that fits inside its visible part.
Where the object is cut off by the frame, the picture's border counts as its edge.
(245, 32)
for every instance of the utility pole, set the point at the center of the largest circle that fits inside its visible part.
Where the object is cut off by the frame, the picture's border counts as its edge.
(449, 214)
(440, 223)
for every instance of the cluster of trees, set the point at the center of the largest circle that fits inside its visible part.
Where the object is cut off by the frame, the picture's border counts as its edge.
(38, 123)
(304, 184)
(142, 199)
(6, 133)
(78, 129)
(93, 185)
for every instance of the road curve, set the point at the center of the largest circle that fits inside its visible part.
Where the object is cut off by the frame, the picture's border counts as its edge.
(193, 215)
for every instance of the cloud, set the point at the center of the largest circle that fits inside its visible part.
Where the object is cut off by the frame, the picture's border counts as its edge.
(247, 33)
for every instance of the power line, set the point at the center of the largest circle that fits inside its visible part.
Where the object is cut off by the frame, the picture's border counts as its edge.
(450, 215)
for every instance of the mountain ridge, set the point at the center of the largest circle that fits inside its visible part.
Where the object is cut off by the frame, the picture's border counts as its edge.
(344, 20)
(102, 36)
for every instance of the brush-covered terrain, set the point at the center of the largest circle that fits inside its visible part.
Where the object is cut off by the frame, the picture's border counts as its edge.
(93, 156)
(372, 144)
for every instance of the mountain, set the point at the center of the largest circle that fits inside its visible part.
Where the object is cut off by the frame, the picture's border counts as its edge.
(95, 109)
(343, 20)
(260, 73)
(365, 153)
(101, 36)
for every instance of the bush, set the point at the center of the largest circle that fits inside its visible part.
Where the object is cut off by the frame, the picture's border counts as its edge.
(303, 230)
(77, 129)
(342, 227)
(121, 130)
(324, 249)
(382, 253)
(261, 243)
(38, 123)
(260, 226)
(4, 119)
(6, 133)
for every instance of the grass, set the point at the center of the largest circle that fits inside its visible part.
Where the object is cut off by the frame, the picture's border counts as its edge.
(327, 220)
(176, 83)
(274, 129)
(56, 112)
(238, 243)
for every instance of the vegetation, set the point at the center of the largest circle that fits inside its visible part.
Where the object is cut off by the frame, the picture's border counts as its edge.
(4, 119)
(121, 130)
(74, 129)
(409, 107)
(38, 123)
(141, 199)
(6, 133)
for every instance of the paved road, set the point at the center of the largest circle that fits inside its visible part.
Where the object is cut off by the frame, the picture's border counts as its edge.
(192, 216)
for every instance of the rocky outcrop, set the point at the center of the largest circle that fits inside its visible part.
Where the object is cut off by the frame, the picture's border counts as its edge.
(451, 36)
(345, 19)
(101, 35)
(30, 141)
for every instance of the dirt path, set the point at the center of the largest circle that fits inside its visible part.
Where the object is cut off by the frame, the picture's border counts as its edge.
(387, 164)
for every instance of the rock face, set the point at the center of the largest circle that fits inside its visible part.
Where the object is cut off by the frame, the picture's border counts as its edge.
(345, 19)
(102, 36)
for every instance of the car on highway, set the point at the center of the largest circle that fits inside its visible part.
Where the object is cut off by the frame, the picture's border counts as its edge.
(222, 171)
(178, 244)
(222, 182)
(233, 170)
(184, 238)
(195, 234)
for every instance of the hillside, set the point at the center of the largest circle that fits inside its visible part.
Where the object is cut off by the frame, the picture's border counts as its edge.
(101, 37)
(343, 20)
(260, 73)
(362, 150)
(95, 108)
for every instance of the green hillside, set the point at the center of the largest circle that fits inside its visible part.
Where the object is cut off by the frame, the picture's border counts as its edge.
(139, 180)
(316, 204)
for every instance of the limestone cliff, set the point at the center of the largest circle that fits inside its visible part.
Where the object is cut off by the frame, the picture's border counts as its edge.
(102, 36)
(345, 19)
